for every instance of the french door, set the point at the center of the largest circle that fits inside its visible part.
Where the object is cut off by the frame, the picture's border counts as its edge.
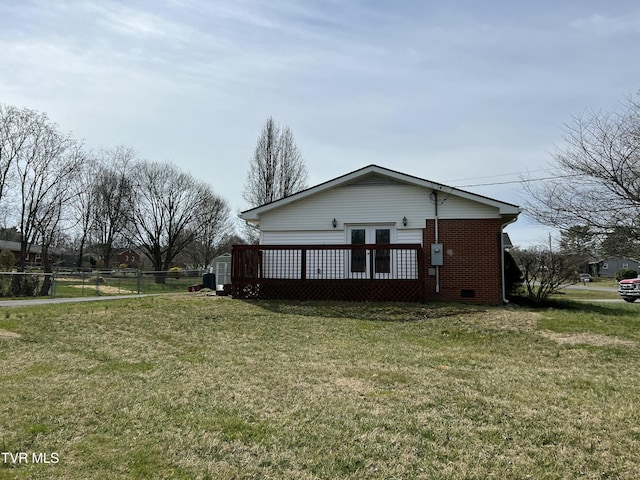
(369, 263)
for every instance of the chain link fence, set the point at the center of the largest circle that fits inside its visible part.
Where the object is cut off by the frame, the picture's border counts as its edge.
(73, 283)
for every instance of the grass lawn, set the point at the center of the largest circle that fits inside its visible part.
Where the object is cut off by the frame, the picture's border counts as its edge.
(193, 387)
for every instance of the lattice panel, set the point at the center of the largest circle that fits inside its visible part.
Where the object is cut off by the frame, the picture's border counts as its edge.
(346, 290)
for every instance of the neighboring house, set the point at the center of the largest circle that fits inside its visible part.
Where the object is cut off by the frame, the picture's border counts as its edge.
(34, 258)
(608, 267)
(130, 258)
(376, 234)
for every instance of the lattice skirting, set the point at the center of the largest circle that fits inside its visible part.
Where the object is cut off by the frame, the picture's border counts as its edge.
(345, 290)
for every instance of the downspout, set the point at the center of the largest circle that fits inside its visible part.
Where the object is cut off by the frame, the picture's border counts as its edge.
(504, 286)
(435, 198)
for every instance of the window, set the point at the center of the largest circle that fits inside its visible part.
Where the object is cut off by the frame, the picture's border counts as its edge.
(358, 257)
(383, 257)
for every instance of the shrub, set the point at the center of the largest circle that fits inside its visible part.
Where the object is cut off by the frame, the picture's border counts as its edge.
(626, 273)
(7, 260)
(24, 285)
(544, 271)
(5, 286)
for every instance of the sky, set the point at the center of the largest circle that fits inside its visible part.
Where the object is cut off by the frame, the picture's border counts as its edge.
(466, 93)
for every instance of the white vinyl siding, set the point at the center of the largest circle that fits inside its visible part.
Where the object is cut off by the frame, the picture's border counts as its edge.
(328, 237)
(297, 237)
(409, 235)
(352, 204)
(452, 207)
(371, 204)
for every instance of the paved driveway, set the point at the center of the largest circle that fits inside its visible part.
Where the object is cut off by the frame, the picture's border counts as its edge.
(592, 287)
(45, 301)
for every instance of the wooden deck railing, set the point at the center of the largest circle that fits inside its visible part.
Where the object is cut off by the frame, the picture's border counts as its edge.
(346, 272)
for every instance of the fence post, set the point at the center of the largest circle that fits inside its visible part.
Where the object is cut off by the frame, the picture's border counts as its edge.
(53, 286)
(139, 280)
(97, 282)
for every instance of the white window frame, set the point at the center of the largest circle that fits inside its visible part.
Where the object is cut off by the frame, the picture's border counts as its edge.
(370, 238)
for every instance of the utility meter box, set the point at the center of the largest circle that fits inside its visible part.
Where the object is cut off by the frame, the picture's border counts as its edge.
(436, 254)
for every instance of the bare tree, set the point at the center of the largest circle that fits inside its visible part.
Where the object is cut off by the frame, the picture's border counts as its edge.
(544, 271)
(579, 240)
(112, 192)
(165, 213)
(14, 133)
(277, 169)
(46, 163)
(213, 226)
(83, 206)
(597, 175)
(293, 171)
(47, 228)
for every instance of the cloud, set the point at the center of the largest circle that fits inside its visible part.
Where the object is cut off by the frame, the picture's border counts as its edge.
(429, 88)
(609, 25)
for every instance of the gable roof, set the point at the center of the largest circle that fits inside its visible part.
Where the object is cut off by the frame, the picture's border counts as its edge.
(16, 246)
(614, 259)
(508, 211)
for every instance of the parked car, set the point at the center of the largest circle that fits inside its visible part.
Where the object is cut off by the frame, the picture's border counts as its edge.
(629, 289)
(584, 277)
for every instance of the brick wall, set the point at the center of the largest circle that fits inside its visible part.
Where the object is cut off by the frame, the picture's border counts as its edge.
(472, 264)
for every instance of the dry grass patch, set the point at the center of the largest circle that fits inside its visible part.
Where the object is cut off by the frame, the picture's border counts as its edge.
(508, 318)
(105, 289)
(594, 339)
(8, 334)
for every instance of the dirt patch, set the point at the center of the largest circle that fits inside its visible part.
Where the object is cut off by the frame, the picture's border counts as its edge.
(8, 334)
(107, 289)
(594, 339)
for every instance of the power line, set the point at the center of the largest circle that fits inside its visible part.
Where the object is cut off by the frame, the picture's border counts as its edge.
(501, 175)
(515, 181)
